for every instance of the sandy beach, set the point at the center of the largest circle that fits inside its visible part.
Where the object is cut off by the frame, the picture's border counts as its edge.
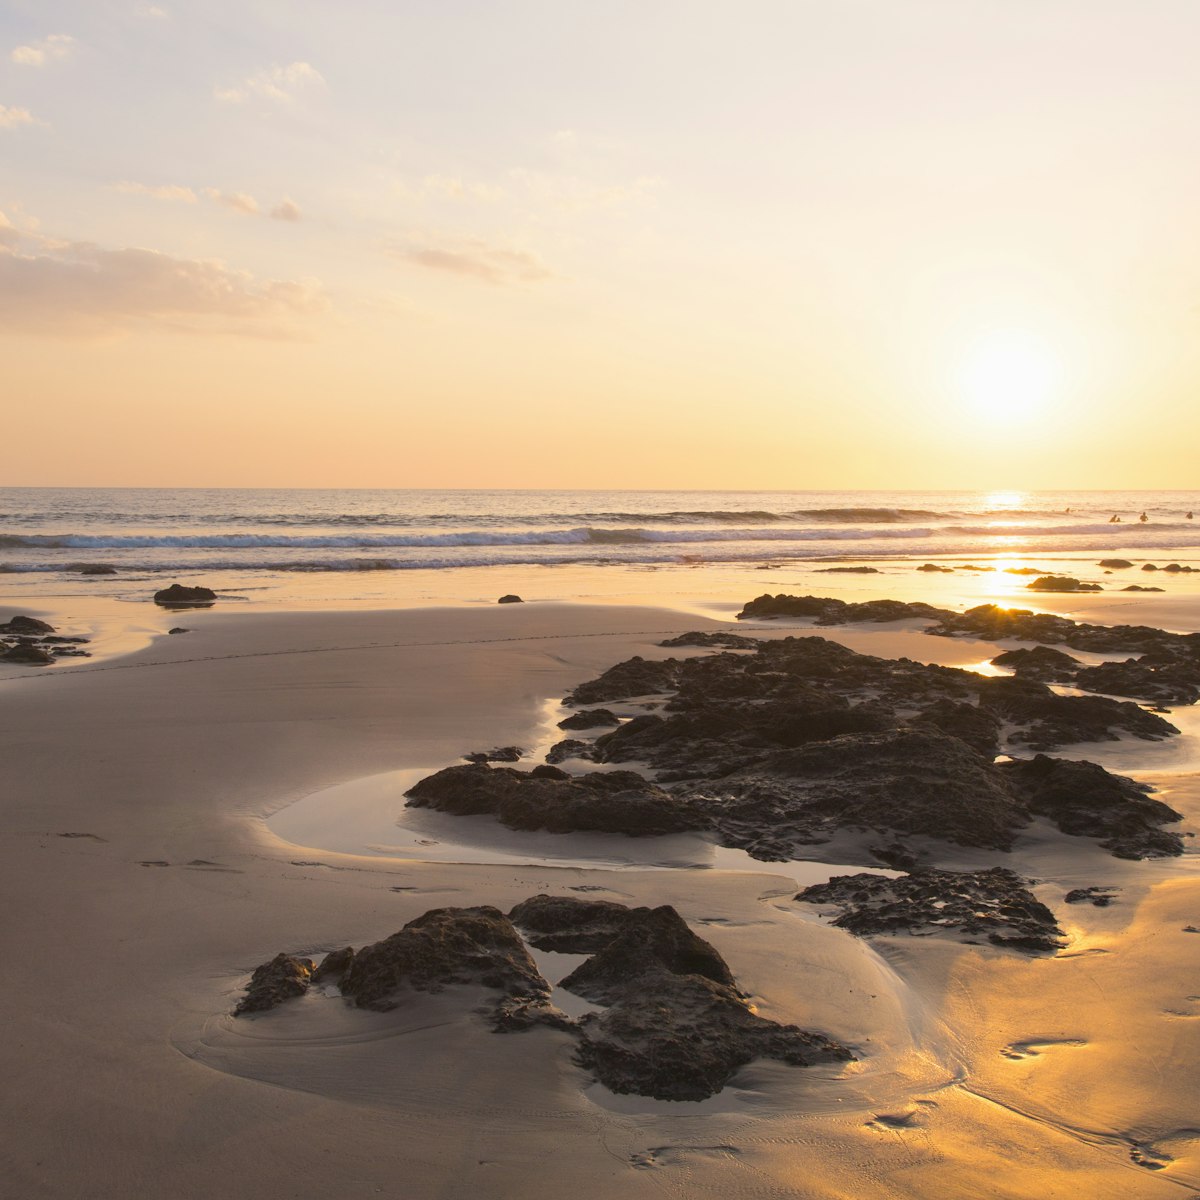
(143, 884)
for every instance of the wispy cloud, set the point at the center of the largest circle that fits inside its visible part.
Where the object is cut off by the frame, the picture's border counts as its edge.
(78, 289)
(274, 83)
(154, 11)
(163, 191)
(10, 118)
(286, 210)
(473, 258)
(38, 54)
(238, 201)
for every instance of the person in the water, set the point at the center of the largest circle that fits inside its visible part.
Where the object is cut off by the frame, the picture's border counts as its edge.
(1143, 518)
(1114, 519)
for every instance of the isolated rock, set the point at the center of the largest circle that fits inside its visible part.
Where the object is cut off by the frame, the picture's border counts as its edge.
(510, 599)
(992, 904)
(847, 571)
(1137, 587)
(95, 569)
(933, 567)
(283, 978)
(177, 593)
(178, 629)
(442, 948)
(1099, 897)
(1115, 564)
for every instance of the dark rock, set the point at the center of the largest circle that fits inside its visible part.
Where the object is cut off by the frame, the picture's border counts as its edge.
(334, 965)
(1061, 583)
(1136, 587)
(178, 629)
(442, 948)
(677, 1028)
(1101, 897)
(1175, 569)
(635, 677)
(283, 978)
(726, 641)
(569, 748)
(95, 569)
(1149, 567)
(1041, 663)
(1116, 564)
(604, 802)
(970, 904)
(1085, 800)
(545, 772)
(568, 925)
(847, 571)
(828, 611)
(26, 627)
(510, 599)
(590, 718)
(685, 1037)
(500, 754)
(648, 943)
(178, 594)
(933, 567)
(976, 726)
(27, 654)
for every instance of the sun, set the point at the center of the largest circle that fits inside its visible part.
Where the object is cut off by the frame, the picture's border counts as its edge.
(1011, 373)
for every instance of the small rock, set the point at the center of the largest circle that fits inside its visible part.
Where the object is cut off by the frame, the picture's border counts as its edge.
(1117, 564)
(178, 629)
(589, 718)
(283, 978)
(177, 593)
(510, 599)
(500, 754)
(1061, 583)
(26, 626)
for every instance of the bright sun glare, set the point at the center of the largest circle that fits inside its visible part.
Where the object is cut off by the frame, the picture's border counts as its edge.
(1012, 373)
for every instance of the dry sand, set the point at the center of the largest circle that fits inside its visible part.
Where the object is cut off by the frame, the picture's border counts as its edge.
(141, 884)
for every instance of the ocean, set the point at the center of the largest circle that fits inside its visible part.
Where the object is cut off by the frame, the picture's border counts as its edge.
(277, 540)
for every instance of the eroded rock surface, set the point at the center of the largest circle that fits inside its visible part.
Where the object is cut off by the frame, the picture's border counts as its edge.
(569, 925)
(589, 718)
(283, 978)
(992, 904)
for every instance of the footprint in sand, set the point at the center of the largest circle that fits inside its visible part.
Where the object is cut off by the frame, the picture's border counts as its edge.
(667, 1156)
(896, 1121)
(91, 836)
(1033, 1049)
(1153, 1155)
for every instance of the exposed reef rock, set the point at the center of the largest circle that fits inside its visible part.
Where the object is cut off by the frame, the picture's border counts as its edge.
(500, 754)
(1061, 583)
(1040, 663)
(1167, 673)
(441, 948)
(590, 718)
(510, 599)
(283, 978)
(569, 925)
(1098, 897)
(992, 904)
(177, 594)
(726, 641)
(1115, 564)
(676, 1027)
(848, 571)
(35, 643)
(634, 677)
(605, 801)
(1085, 800)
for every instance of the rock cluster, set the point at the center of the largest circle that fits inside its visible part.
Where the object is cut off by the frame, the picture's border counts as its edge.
(29, 641)
(674, 1025)
(1167, 671)
(992, 904)
(786, 745)
(1061, 583)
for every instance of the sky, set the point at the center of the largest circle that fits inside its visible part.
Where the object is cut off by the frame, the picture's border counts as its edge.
(835, 244)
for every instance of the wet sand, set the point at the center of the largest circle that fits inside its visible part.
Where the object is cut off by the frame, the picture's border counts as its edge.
(143, 881)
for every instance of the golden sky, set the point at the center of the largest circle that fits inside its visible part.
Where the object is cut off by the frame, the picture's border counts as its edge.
(853, 243)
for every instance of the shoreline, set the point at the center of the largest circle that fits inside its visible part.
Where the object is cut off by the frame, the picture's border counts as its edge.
(145, 861)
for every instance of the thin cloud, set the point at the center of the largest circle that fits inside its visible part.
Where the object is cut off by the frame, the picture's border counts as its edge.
(238, 201)
(78, 289)
(153, 11)
(475, 259)
(274, 83)
(38, 54)
(164, 191)
(287, 210)
(10, 118)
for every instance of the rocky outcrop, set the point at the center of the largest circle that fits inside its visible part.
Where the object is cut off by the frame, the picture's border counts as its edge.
(28, 641)
(500, 754)
(25, 652)
(178, 594)
(1115, 564)
(283, 978)
(1098, 897)
(334, 965)
(635, 677)
(22, 626)
(712, 640)
(510, 599)
(676, 1027)
(992, 904)
(442, 948)
(1041, 663)
(1061, 583)
(847, 571)
(590, 718)
(569, 925)
(1085, 800)
(603, 802)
